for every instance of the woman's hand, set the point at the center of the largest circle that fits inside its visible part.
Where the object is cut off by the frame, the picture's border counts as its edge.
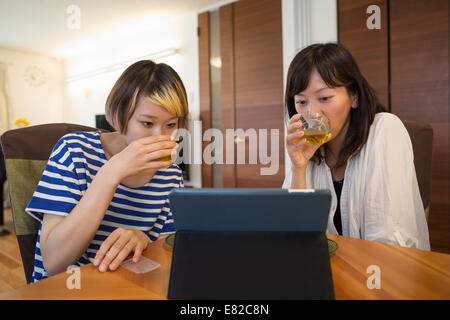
(142, 155)
(299, 151)
(116, 248)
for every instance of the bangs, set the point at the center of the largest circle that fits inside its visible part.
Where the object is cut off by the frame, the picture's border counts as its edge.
(299, 79)
(166, 89)
(332, 76)
(327, 68)
(172, 98)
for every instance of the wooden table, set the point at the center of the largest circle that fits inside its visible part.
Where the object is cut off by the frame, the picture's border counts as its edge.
(405, 273)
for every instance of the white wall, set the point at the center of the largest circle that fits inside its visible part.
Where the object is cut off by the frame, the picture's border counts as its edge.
(87, 97)
(306, 22)
(323, 21)
(38, 105)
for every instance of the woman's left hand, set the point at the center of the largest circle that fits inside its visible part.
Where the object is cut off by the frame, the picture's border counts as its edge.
(116, 248)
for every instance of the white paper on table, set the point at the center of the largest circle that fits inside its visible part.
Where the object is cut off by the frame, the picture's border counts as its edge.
(144, 265)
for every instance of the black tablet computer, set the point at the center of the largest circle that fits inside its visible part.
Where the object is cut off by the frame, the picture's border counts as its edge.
(250, 244)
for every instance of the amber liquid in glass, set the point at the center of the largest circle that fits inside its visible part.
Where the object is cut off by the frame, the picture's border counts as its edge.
(313, 137)
(164, 158)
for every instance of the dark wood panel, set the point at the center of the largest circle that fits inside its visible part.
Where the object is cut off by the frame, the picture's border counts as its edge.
(420, 92)
(227, 87)
(439, 220)
(258, 54)
(368, 46)
(419, 58)
(259, 80)
(205, 89)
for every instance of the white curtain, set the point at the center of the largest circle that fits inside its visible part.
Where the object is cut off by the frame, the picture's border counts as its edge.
(4, 107)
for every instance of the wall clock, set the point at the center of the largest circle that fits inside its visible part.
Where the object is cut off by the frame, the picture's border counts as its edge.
(35, 76)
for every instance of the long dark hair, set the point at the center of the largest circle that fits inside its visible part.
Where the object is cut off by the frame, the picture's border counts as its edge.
(338, 68)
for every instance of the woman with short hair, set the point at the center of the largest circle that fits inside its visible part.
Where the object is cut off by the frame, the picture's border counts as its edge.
(103, 196)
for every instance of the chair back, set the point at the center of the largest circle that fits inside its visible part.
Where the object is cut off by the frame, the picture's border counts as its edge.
(421, 135)
(2, 181)
(2, 165)
(26, 151)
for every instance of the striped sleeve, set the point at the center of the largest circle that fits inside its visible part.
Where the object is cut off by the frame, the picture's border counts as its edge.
(164, 224)
(58, 191)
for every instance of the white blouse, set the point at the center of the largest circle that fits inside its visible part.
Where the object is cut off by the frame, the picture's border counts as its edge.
(380, 198)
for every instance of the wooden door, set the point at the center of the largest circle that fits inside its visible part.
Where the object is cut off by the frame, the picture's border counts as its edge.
(228, 98)
(252, 86)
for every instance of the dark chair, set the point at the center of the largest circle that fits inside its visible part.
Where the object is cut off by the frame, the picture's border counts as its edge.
(3, 231)
(26, 152)
(421, 135)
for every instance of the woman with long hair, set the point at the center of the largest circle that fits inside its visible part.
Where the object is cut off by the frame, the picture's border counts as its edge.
(367, 159)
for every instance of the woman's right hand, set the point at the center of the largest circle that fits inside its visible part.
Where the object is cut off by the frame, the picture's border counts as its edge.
(142, 156)
(299, 151)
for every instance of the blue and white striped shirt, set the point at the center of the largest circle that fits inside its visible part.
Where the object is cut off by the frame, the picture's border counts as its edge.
(73, 164)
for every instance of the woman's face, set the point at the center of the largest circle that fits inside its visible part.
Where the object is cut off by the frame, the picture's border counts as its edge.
(334, 103)
(150, 119)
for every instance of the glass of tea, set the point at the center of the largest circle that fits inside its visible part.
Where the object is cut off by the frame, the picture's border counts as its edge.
(316, 128)
(167, 158)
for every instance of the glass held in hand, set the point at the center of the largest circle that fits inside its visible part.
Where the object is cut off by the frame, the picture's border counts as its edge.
(168, 158)
(316, 128)
(164, 158)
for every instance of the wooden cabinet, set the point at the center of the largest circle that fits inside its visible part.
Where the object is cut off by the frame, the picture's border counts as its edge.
(407, 63)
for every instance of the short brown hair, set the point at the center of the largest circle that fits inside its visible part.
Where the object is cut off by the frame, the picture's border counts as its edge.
(158, 82)
(338, 68)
